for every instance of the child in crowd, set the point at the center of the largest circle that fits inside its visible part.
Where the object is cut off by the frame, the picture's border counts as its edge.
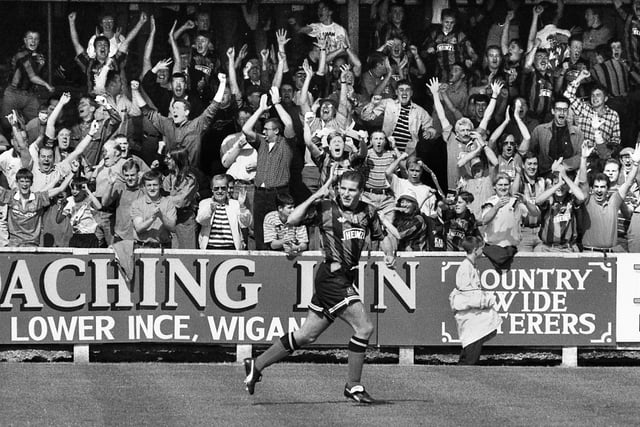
(80, 210)
(459, 222)
(411, 225)
(425, 195)
(278, 235)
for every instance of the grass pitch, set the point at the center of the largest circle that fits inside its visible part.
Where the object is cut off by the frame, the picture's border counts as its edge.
(311, 394)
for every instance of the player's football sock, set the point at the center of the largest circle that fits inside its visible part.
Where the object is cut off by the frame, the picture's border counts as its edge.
(278, 351)
(357, 348)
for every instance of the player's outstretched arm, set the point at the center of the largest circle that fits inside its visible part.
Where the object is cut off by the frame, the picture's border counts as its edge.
(299, 213)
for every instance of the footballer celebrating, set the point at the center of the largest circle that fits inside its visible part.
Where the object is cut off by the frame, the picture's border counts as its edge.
(343, 222)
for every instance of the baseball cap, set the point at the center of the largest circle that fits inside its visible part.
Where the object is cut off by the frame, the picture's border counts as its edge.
(409, 195)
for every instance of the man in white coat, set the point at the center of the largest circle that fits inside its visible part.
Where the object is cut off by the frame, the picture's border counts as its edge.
(222, 218)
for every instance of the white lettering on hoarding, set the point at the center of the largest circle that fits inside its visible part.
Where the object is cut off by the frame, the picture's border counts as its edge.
(102, 283)
(20, 285)
(406, 293)
(61, 329)
(235, 328)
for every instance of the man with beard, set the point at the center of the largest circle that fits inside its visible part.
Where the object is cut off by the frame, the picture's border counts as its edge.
(558, 211)
(557, 139)
(601, 207)
(92, 66)
(344, 222)
(27, 65)
(179, 131)
(406, 121)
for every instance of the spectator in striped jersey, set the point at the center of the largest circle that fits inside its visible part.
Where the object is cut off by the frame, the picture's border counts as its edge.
(558, 206)
(381, 155)
(292, 239)
(403, 119)
(222, 218)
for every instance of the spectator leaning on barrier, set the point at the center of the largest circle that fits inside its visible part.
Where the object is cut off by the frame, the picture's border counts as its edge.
(122, 193)
(602, 206)
(278, 234)
(153, 216)
(528, 184)
(80, 209)
(501, 218)
(410, 223)
(26, 208)
(222, 218)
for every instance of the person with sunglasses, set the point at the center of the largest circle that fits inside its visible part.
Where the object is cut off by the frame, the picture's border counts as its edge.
(222, 218)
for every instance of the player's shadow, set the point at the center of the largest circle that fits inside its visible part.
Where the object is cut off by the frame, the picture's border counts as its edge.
(324, 402)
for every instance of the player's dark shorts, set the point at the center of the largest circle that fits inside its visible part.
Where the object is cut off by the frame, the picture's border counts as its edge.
(333, 291)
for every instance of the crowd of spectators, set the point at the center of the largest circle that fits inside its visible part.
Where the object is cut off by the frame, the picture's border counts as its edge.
(213, 146)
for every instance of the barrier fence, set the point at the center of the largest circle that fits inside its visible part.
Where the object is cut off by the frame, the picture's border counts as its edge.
(245, 298)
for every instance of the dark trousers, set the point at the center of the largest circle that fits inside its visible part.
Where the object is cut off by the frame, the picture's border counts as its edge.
(264, 201)
(471, 353)
(83, 241)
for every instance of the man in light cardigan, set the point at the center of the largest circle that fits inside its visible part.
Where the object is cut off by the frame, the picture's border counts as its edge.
(222, 218)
